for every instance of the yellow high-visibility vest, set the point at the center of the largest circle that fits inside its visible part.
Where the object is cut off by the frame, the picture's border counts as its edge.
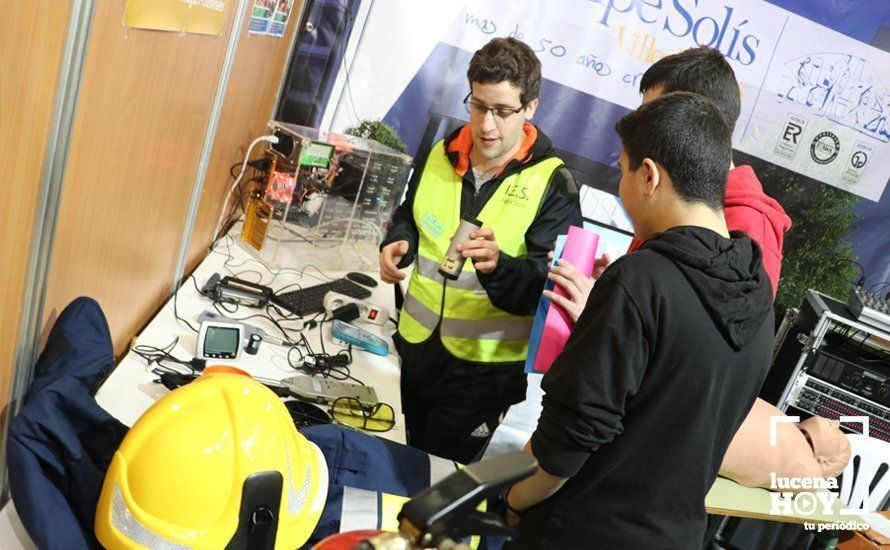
(472, 328)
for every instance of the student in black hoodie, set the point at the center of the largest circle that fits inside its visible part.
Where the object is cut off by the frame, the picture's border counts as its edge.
(666, 359)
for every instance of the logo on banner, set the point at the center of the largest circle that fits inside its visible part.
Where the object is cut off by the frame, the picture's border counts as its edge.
(862, 151)
(792, 132)
(825, 147)
(859, 159)
(790, 136)
(826, 81)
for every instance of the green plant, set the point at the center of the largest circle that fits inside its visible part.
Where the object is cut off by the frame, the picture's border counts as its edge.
(817, 253)
(379, 132)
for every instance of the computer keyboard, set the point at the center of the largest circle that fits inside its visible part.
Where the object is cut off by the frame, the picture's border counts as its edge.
(870, 309)
(311, 299)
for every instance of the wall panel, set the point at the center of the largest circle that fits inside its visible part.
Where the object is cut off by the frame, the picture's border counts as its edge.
(31, 49)
(256, 75)
(144, 107)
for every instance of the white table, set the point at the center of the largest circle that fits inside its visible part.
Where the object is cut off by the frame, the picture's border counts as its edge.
(130, 389)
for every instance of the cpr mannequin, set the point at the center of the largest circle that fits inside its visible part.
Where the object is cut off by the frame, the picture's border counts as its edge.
(750, 458)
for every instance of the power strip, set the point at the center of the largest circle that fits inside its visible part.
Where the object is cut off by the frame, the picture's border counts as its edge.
(368, 312)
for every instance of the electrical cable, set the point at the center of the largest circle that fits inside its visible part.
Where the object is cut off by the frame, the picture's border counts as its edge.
(861, 280)
(243, 190)
(173, 375)
(176, 311)
(269, 139)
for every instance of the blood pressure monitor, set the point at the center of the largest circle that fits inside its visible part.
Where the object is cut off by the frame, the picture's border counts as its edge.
(220, 340)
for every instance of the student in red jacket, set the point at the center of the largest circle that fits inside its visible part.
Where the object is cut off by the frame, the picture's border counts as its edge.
(705, 71)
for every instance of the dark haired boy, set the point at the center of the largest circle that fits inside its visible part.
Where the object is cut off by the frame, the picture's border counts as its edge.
(705, 71)
(463, 342)
(665, 360)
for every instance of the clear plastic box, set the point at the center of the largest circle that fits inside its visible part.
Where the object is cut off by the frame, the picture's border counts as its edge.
(326, 201)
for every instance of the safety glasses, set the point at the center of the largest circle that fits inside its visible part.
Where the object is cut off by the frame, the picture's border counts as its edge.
(379, 417)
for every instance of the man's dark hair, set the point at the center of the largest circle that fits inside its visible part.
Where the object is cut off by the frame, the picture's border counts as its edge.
(685, 134)
(511, 60)
(704, 71)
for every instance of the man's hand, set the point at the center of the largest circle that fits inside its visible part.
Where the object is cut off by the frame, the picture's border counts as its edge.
(390, 256)
(575, 284)
(482, 249)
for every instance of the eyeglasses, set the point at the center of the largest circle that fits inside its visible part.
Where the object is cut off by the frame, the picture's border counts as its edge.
(499, 113)
(372, 418)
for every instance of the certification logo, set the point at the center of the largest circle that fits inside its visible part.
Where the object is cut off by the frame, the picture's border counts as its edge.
(825, 147)
(856, 166)
(790, 136)
(859, 159)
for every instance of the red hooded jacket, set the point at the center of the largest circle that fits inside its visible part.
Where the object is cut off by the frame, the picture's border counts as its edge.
(747, 208)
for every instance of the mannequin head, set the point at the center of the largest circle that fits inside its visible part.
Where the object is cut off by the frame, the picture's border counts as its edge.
(813, 448)
(830, 446)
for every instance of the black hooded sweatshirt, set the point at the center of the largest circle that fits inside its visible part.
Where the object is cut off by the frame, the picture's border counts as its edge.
(660, 371)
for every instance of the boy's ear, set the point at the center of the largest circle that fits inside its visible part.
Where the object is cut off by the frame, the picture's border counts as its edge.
(653, 176)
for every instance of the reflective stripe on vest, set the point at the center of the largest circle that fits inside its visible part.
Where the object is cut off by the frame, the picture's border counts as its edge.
(463, 328)
(471, 327)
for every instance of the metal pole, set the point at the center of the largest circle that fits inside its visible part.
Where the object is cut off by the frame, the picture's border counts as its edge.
(46, 216)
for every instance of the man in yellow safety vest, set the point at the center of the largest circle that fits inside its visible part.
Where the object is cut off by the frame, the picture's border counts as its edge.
(463, 341)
